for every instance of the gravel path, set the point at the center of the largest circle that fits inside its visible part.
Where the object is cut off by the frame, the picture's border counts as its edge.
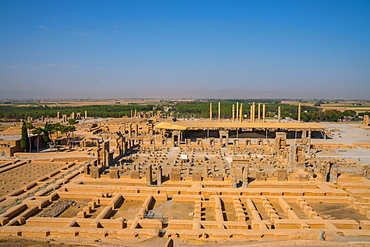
(57, 208)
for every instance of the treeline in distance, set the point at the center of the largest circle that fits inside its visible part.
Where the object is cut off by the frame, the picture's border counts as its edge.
(181, 109)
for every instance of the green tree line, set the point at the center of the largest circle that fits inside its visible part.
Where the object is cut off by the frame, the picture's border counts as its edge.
(117, 111)
(184, 109)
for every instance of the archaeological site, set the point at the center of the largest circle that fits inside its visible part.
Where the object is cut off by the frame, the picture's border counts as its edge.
(215, 179)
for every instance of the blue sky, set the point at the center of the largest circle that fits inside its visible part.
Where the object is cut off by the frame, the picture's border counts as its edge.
(122, 49)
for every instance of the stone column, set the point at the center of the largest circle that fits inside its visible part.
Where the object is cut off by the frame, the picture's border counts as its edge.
(219, 111)
(124, 128)
(237, 111)
(292, 156)
(58, 115)
(263, 113)
(309, 142)
(136, 129)
(304, 135)
(159, 176)
(259, 112)
(333, 175)
(210, 111)
(131, 113)
(245, 176)
(233, 113)
(85, 114)
(106, 155)
(149, 175)
(279, 114)
(251, 114)
(241, 112)
(299, 112)
(254, 112)
(129, 130)
(234, 177)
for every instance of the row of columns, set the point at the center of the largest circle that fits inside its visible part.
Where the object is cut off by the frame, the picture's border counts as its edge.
(239, 112)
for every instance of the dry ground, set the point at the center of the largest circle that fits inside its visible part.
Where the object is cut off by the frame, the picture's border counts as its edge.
(339, 211)
(160, 242)
(341, 105)
(18, 177)
(103, 102)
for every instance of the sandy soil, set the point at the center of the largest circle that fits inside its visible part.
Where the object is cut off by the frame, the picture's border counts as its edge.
(160, 242)
(339, 211)
(20, 176)
(174, 210)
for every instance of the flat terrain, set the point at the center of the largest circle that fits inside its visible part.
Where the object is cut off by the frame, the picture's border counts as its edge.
(348, 105)
(128, 209)
(84, 103)
(358, 106)
(18, 177)
(348, 134)
(337, 211)
(174, 210)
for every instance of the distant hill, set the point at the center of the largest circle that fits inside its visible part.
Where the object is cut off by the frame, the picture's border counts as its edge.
(221, 94)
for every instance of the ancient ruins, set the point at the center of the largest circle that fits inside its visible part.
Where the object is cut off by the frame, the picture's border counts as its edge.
(146, 176)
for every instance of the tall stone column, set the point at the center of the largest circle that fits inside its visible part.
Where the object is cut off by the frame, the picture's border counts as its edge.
(279, 114)
(263, 113)
(219, 111)
(254, 112)
(233, 113)
(237, 111)
(333, 175)
(299, 112)
(309, 142)
(234, 177)
(210, 111)
(241, 112)
(292, 156)
(136, 129)
(245, 176)
(251, 114)
(130, 130)
(124, 128)
(159, 175)
(259, 112)
(149, 175)
(85, 114)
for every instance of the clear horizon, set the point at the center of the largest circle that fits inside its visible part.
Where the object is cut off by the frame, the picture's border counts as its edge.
(194, 49)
